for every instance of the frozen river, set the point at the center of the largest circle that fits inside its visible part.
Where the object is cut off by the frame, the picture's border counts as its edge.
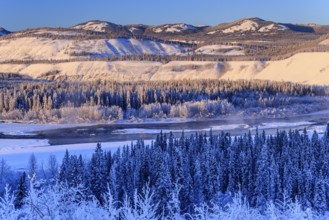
(19, 141)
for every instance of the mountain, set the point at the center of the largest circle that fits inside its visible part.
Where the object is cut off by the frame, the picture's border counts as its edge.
(175, 28)
(3, 31)
(242, 49)
(97, 39)
(104, 27)
(256, 26)
(99, 26)
(63, 49)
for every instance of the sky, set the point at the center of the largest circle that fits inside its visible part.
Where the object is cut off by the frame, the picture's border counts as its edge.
(22, 14)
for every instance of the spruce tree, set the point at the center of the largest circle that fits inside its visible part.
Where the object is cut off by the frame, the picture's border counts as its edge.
(21, 192)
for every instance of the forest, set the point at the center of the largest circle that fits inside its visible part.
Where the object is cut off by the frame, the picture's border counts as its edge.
(104, 101)
(201, 176)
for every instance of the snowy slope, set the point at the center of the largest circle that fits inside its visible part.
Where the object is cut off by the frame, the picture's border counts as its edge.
(173, 28)
(121, 71)
(38, 48)
(221, 50)
(309, 68)
(99, 26)
(246, 25)
(325, 42)
(272, 27)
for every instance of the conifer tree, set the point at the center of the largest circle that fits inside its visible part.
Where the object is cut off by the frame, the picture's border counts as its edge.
(21, 192)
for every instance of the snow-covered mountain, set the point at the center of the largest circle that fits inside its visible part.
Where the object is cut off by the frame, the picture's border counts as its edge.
(249, 25)
(41, 48)
(3, 31)
(174, 28)
(99, 39)
(80, 51)
(98, 26)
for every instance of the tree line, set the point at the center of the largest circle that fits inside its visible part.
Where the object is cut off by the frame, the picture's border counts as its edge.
(26, 100)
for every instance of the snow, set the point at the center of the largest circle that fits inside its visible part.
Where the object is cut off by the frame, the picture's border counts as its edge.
(173, 28)
(272, 27)
(246, 25)
(223, 50)
(157, 30)
(16, 152)
(212, 32)
(121, 71)
(134, 29)
(15, 145)
(17, 156)
(38, 48)
(306, 68)
(325, 42)
(93, 26)
(33, 48)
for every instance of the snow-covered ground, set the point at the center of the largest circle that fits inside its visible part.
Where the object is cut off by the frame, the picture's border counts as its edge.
(251, 25)
(12, 145)
(305, 68)
(17, 152)
(272, 27)
(222, 50)
(39, 48)
(93, 26)
(173, 28)
(17, 156)
(325, 42)
(246, 25)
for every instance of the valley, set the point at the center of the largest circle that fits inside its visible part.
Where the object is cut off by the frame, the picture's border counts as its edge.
(167, 121)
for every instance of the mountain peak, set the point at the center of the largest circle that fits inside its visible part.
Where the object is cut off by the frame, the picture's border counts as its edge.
(95, 25)
(174, 28)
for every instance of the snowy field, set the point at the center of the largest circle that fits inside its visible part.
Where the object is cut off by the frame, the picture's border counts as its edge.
(18, 151)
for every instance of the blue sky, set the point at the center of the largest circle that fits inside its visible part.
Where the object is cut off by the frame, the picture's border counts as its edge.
(21, 14)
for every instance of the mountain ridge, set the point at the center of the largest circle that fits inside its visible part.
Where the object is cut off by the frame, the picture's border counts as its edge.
(112, 25)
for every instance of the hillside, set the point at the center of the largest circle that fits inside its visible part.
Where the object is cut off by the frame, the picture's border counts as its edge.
(307, 68)
(40, 48)
(249, 48)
